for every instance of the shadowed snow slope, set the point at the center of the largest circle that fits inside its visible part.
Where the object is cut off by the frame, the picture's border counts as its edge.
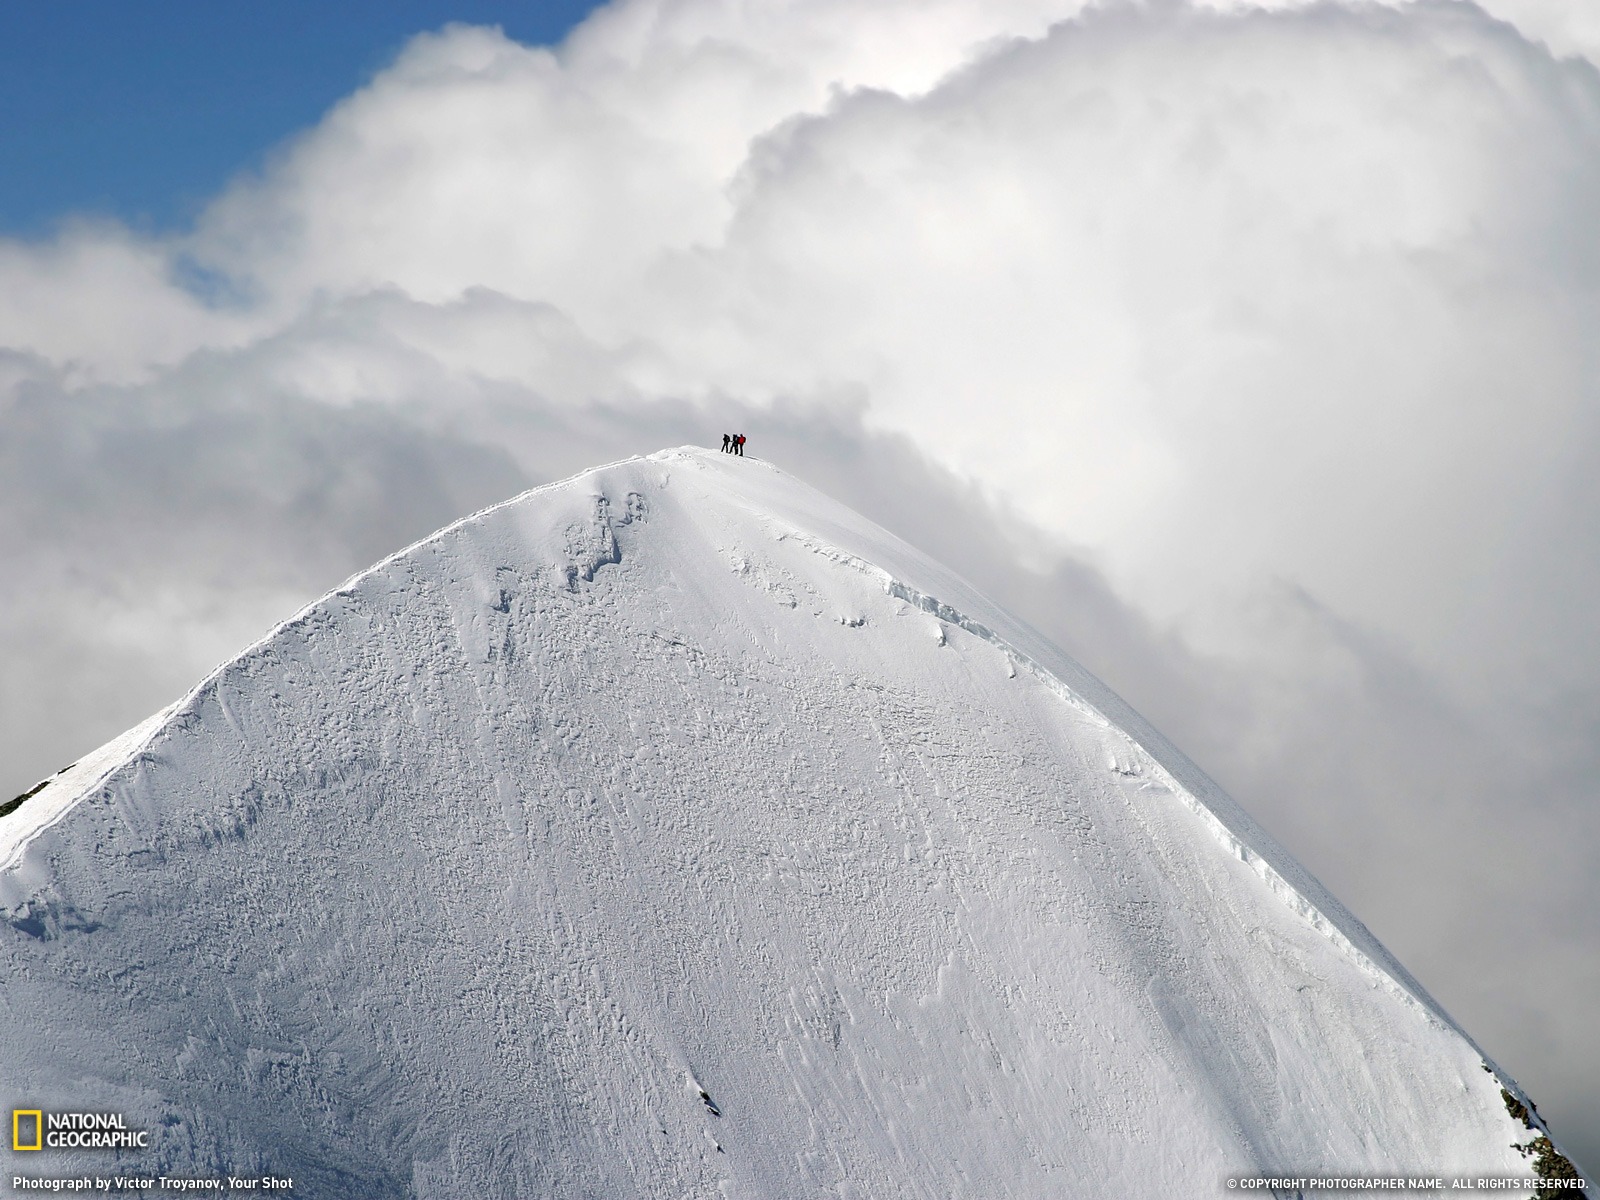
(672, 829)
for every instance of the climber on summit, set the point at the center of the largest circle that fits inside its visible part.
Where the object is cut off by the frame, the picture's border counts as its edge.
(726, 441)
(738, 444)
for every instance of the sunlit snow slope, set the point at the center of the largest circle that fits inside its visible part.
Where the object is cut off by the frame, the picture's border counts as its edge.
(672, 829)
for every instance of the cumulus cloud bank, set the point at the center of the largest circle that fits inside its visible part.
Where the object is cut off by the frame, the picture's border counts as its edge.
(1246, 349)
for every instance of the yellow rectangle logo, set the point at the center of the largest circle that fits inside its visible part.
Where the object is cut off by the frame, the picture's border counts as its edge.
(17, 1116)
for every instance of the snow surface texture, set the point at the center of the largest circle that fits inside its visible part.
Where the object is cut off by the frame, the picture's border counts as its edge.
(672, 831)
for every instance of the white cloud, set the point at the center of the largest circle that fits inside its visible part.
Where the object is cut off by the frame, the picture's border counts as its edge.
(104, 303)
(1567, 29)
(1273, 275)
(1280, 317)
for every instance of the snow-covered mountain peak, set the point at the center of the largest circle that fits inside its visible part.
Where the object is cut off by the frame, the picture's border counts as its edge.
(673, 829)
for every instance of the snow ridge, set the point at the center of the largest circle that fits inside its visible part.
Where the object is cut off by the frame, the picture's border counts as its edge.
(672, 830)
(1409, 991)
(1231, 826)
(1235, 831)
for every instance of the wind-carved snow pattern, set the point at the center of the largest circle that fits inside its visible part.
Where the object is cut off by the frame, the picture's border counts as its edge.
(1133, 761)
(672, 830)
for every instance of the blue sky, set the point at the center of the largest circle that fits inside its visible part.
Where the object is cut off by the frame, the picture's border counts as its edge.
(142, 110)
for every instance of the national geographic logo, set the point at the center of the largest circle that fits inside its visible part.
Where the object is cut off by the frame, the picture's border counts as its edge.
(27, 1129)
(35, 1129)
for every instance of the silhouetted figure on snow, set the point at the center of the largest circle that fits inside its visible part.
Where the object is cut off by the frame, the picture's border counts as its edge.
(738, 444)
(727, 441)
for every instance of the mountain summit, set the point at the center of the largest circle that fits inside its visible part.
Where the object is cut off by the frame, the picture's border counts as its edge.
(673, 829)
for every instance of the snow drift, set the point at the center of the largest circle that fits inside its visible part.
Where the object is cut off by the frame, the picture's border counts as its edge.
(673, 829)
